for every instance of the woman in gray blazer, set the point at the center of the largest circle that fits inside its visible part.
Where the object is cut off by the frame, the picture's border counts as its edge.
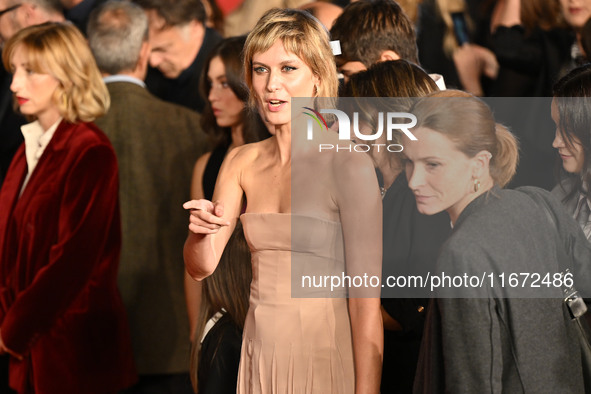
(496, 326)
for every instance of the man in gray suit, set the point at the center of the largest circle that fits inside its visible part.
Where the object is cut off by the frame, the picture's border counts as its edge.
(157, 144)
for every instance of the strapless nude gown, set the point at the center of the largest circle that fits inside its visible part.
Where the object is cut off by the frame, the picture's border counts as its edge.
(293, 345)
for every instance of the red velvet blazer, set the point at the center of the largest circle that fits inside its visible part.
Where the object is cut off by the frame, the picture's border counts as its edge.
(59, 251)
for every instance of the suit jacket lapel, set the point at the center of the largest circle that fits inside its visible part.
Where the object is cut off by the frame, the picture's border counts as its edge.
(48, 163)
(10, 190)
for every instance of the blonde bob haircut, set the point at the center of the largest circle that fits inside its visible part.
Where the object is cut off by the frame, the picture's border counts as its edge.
(302, 35)
(60, 50)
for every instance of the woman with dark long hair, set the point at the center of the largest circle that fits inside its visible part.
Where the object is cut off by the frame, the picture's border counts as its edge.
(411, 241)
(229, 123)
(225, 119)
(571, 108)
(215, 354)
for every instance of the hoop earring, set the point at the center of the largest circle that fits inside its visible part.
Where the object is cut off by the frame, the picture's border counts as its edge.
(476, 185)
(315, 90)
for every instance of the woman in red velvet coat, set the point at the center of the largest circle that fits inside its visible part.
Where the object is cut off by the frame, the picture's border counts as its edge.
(61, 317)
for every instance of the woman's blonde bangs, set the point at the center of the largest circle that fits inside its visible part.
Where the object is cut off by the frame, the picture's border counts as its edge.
(302, 35)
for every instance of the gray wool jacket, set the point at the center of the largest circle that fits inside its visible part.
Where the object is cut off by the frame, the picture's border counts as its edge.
(495, 340)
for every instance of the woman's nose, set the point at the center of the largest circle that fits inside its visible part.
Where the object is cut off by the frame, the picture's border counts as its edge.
(273, 82)
(414, 176)
(212, 96)
(558, 141)
(16, 81)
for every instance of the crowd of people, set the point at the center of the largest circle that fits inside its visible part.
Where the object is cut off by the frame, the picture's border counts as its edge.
(123, 123)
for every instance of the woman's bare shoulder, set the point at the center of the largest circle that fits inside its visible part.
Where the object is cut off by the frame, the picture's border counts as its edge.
(347, 160)
(248, 152)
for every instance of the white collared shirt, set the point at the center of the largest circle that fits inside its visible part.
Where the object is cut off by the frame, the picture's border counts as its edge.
(438, 79)
(36, 140)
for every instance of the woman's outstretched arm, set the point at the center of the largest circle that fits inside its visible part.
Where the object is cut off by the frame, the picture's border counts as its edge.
(211, 223)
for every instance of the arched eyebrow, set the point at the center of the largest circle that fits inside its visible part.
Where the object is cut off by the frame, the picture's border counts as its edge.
(24, 64)
(287, 62)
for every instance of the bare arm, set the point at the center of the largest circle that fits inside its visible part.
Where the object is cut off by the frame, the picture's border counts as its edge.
(193, 288)
(197, 192)
(472, 61)
(360, 208)
(211, 224)
(368, 343)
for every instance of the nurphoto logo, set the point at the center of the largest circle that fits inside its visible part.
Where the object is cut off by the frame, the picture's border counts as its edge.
(392, 121)
(317, 117)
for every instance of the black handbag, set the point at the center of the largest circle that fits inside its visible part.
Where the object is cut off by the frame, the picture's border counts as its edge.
(577, 308)
(573, 301)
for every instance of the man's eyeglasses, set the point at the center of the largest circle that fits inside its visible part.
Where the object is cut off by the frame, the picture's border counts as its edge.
(11, 8)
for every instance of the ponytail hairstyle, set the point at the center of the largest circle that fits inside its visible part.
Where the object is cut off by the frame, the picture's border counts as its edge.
(469, 123)
(572, 96)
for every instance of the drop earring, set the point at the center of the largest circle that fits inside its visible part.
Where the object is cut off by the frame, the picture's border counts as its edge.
(476, 185)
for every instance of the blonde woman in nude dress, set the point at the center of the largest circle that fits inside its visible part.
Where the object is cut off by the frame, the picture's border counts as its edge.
(327, 211)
